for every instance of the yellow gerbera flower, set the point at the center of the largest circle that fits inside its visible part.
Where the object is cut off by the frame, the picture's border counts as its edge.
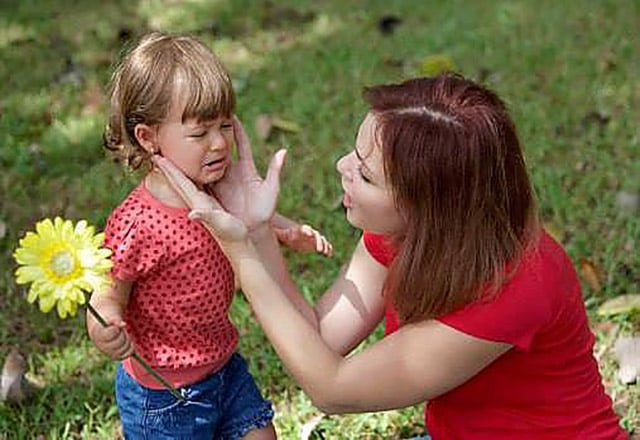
(62, 261)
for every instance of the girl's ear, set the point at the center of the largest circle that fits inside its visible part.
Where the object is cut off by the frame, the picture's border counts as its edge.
(146, 137)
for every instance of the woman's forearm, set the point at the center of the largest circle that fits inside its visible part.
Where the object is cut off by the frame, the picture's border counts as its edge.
(269, 252)
(296, 340)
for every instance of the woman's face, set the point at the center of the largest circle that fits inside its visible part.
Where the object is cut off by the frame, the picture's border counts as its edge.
(368, 197)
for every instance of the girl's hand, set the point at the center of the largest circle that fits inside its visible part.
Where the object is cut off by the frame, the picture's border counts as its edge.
(303, 238)
(112, 340)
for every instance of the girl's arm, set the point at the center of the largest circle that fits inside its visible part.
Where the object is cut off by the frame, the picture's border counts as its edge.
(110, 304)
(300, 237)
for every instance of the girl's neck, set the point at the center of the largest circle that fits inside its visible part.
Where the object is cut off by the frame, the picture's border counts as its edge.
(161, 190)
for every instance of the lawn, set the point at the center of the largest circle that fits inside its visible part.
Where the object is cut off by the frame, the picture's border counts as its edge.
(568, 71)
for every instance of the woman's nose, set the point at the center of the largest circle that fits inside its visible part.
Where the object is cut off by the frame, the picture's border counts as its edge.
(343, 166)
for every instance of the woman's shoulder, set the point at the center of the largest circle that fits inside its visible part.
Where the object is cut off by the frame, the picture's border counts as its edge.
(541, 286)
(544, 263)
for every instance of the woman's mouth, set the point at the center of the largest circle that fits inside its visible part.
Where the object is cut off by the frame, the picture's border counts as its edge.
(346, 201)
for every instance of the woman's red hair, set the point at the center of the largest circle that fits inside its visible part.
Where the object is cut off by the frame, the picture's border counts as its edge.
(455, 164)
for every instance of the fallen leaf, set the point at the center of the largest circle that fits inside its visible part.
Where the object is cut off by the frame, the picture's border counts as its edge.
(628, 202)
(627, 353)
(93, 98)
(309, 426)
(620, 304)
(285, 125)
(436, 64)
(591, 275)
(263, 126)
(14, 387)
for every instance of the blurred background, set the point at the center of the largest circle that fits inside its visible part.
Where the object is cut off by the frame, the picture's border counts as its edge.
(568, 71)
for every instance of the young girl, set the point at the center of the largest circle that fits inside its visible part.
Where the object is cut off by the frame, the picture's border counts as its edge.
(172, 285)
(484, 313)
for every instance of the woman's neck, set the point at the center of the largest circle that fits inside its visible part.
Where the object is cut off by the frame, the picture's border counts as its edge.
(160, 188)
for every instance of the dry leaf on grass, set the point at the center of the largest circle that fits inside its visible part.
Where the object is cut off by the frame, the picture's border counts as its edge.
(14, 386)
(309, 426)
(620, 304)
(591, 274)
(265, 125)
(627, 353)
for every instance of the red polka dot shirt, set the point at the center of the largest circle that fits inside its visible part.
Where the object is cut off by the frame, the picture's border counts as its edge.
(183, 285)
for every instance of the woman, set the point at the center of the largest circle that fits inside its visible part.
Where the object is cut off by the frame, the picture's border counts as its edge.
(484, 314)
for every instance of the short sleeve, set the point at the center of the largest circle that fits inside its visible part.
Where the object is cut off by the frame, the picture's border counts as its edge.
(136, 251)
(515, 315)
(379, 247)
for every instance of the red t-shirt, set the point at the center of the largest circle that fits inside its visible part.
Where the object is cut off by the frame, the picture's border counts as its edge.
(548, 385)
(183, 286)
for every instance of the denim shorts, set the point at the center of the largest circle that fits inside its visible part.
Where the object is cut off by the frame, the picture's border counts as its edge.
(225, 405)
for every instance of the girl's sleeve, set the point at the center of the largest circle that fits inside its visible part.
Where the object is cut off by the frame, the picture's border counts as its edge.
(136, 251)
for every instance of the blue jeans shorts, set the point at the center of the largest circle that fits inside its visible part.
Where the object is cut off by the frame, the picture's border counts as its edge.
(225, 405)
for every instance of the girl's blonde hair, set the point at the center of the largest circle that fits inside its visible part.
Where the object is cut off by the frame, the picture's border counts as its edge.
(150, 77)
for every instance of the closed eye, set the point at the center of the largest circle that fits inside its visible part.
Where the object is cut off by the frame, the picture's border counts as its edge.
(364, 177)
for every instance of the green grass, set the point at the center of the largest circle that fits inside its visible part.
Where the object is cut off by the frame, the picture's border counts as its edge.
(567, 69)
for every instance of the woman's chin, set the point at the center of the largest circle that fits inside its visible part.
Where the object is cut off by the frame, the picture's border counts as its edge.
(353, 219)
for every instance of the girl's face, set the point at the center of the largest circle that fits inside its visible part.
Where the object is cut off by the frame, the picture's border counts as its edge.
(368, 197)
(201, 149)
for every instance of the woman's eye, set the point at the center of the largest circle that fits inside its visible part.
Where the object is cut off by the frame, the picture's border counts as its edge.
(226, 126)
(199, 135)
(365, 178)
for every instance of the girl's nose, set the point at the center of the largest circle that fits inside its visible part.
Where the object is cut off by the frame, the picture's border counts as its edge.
(217, 141)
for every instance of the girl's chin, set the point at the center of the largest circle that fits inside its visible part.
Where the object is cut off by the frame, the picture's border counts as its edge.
(211, 178)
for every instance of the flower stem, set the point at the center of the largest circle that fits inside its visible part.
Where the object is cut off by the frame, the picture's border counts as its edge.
(141, 361)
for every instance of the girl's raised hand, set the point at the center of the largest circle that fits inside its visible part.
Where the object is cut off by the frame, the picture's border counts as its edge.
(304, 238)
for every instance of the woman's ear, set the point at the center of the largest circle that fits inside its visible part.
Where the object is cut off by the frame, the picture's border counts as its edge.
(146, 137)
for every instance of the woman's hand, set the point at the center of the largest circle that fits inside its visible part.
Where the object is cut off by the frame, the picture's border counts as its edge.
(244, 200)
(242, 192)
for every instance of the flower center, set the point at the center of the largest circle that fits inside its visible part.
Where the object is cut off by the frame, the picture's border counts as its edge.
(63, 263)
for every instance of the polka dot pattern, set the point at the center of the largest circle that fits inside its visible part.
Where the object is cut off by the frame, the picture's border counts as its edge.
(177, 314)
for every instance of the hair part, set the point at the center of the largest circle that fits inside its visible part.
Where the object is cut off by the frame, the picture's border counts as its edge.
(162, 70)
(456, 168)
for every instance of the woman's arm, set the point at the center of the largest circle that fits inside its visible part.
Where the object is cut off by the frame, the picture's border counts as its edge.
(351, 307)
(418, 362)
